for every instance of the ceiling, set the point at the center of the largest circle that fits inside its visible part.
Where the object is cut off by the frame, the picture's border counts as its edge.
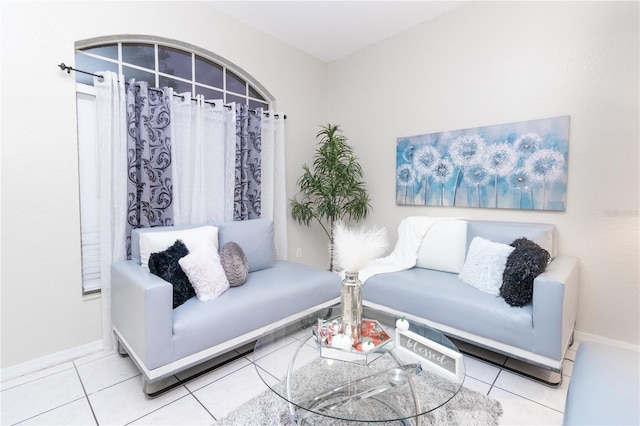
(330, 30)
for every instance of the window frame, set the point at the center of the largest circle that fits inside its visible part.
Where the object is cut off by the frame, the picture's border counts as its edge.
(251, 85)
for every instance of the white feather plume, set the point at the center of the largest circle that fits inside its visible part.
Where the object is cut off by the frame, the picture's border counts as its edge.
(354, 248)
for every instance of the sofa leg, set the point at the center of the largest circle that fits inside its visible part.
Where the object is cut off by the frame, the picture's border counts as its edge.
(121, 350)
(155, 389)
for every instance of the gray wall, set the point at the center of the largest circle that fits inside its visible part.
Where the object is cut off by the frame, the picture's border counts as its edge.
(43, 310)
(500, 62)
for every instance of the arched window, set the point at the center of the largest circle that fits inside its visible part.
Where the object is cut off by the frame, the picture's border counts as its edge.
(160, 62)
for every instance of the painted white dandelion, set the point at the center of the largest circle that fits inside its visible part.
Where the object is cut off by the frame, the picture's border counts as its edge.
(477, 175)
(408, 153)
(527, 144)
(405, 175)
(442, 172)
(467, 149)
(405, 178)
(545, 166)
(520, 181)
(501, 158)
(424, 160)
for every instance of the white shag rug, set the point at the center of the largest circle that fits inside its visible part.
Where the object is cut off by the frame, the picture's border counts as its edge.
(466, 408)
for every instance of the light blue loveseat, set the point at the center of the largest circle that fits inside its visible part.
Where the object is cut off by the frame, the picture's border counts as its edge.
(163, 341)
(538, 333)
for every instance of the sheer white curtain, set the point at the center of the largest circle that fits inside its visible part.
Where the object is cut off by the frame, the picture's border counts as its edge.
(112, 185)
(203, 151)
(274, 198)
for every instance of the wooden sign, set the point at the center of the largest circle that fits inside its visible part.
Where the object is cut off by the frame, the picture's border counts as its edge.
(433, 356)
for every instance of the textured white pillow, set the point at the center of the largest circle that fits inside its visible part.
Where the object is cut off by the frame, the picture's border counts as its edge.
(205, 273)
(485, 265)
(444, 246)
(194, 238)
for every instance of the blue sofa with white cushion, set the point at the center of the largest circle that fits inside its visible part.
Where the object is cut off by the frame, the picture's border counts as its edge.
(432, 292)
(163, 341)
(604, 387)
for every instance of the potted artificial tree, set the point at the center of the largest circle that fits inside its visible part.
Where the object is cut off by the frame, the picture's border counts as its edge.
(334, 189)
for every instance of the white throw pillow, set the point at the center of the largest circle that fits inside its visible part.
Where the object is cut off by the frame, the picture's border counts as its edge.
(194, 238)
(444, 246)
(205, 273)
(485, 265)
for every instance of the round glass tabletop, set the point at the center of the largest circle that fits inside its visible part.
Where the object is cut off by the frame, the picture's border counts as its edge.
(406, 375)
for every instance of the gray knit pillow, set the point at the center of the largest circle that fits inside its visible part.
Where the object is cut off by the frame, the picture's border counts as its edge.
(234, 262)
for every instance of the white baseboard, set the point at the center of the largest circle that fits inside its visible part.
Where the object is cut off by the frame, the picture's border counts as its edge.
(581, 336)
(50, 360)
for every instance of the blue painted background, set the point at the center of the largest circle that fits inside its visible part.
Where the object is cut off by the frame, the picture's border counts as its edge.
(519, 165)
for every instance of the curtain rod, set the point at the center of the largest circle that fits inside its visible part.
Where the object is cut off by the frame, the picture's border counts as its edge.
(68, 69)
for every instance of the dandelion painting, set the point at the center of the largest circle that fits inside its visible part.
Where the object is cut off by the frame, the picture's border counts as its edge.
(519, 165)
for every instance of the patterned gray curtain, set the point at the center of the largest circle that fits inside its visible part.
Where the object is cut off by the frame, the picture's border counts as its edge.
(149, 186)
(248, 167)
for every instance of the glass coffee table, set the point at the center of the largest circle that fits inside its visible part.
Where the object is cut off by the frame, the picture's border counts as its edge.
(390, 385)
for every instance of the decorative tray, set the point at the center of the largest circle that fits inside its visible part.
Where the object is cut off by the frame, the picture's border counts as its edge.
(371, 331)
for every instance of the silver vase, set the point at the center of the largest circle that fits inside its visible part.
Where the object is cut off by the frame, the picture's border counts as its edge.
(352, 306)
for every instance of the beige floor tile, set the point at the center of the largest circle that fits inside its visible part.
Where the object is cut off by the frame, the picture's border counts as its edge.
(228, 393)
(38, 396)
(106, 371)
(125, 402)
(477, 385)
(520, 411)
(480, 370)
(551, 397)
(184, 411)
(74, 413)
(277, 362)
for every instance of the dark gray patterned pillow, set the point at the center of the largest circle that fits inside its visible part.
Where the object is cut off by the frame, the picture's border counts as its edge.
(234, 262)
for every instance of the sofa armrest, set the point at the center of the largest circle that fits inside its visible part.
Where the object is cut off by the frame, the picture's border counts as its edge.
(555, 306)
(142, 313)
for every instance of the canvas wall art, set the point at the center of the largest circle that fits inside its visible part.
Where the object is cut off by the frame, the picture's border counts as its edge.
(520, 165)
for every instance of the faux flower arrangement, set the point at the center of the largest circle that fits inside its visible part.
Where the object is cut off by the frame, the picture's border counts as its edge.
(353, 248)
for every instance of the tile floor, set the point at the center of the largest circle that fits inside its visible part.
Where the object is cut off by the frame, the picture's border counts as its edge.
(105, 389)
